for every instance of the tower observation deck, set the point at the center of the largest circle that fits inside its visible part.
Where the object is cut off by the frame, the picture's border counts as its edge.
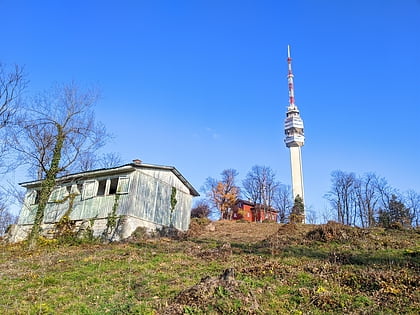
(294, 135)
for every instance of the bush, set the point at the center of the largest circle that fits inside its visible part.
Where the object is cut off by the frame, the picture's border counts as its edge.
(201, 210)
(334, 231)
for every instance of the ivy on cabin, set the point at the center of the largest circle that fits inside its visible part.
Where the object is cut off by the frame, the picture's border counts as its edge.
(47, 186)
(112, 217)
(173, 204)
(65, 226)
(173, 199)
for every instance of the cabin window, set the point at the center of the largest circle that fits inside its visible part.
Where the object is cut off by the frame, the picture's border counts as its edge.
(105, 187)
(101, 188)
(76, 189)
(119, 185)
(58, 194)
(123, 185)
(32, 197)
(37, 196)
(90, 188)
(54, 195)
(113, 186)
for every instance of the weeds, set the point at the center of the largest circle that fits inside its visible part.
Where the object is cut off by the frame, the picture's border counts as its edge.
(298, 270)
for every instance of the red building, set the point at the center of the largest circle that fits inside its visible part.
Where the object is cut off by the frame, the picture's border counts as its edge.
(249, 211)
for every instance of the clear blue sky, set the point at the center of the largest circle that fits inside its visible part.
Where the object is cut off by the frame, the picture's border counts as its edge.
(202, 85)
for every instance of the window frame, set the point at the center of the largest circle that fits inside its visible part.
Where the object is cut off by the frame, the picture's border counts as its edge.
(58, 194)
(123, 186)
(91, 192)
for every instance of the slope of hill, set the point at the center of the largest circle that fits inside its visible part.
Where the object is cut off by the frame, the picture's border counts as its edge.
(219, 268)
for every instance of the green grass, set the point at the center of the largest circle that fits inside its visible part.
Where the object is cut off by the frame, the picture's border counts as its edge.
(377, 275)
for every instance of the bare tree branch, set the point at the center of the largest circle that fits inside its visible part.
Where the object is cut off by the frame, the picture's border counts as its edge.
(54, 131)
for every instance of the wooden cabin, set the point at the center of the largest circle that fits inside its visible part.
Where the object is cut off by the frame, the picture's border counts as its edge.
(133, 195)
(252, 212)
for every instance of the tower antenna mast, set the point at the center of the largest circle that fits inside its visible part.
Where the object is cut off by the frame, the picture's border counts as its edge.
(290, 79)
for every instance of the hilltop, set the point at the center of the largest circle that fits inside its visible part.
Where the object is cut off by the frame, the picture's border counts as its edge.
(219, 268)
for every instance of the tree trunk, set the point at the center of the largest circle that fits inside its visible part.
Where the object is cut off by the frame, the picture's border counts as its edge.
(47, 187)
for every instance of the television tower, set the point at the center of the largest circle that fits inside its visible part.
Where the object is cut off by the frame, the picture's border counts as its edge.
(294, 137)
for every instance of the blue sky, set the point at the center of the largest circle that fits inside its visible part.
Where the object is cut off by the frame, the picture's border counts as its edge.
(202, 85)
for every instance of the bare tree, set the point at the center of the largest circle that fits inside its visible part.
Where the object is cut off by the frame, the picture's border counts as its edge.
(328, 214)
(6, 218)
(366, 199)
(385, 193)
(111, 159)
(310, 216)
(53, 132)
(201, 209)
(342, 196)
(12, 84)
(89, 160)
(283, 202)
(251, 188)
(369, 200)
(390, 205)
(260, 186)
(412, 200)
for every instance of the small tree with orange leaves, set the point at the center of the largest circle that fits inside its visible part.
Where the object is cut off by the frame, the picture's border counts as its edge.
(223, 193)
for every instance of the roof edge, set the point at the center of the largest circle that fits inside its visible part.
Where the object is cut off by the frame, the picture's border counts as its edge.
(115, 170)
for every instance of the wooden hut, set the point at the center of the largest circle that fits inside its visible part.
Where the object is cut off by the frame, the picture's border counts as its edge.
(112, 201)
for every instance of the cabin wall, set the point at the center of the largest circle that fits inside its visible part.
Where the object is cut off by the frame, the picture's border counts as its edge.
(147, 204)
(151, 199)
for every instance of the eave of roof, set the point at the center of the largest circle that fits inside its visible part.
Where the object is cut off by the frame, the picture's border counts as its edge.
(115, 170)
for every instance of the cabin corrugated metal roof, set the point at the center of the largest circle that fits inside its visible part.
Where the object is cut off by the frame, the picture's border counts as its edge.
(126, 168)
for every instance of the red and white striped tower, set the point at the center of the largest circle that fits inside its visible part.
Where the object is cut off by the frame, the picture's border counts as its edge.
(294, 135)
(290, 78)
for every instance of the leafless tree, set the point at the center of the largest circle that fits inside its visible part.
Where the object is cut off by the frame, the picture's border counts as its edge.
(260, 186)
(6, 218)
(366, 199)
(369, 200)
(111, 159)
(342, 196)
(12, 84)
(328, 214)
(412, 200)
(283, 202)
(385, 192)
(89, 160)
(201, 209)
(310, 216)
(53, 132)
(251, 188)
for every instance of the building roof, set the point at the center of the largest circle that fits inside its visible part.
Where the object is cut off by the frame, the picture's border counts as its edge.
(113, 171)
(254, 205)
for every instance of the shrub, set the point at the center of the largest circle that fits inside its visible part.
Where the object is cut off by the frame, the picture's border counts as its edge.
(201, 210)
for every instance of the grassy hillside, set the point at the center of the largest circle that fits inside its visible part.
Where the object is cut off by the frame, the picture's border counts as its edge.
(222, 268)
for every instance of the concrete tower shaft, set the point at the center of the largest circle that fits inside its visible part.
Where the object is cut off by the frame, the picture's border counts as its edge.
(297, 174)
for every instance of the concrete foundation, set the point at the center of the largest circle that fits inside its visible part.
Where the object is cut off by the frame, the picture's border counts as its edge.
(125, 226)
